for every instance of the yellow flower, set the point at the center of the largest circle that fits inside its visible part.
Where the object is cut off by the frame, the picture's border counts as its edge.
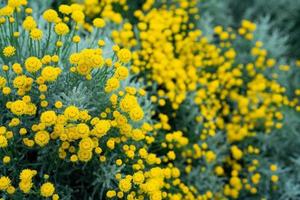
(2, 82)
(121, 73)
(99, 23)
(72, 113)
(86, 144)
(50, 15)
(219, 170)
(78, 16)
(48, 117)
(125, 185)
(27, 174)
(16, 3)
(50, 73)
(18, 107)
(6, 159)
(61, 29)
(274, 178)
(110, 143)
(273, 168)
(42, 138)
(36, 34)
(9, 51)
(137, 134)
(83, 130)
(84, 156)
(65, 9)
(112, 84)
(25, 186)
(76, 39)
(47, 189)
(101, 128)
(4, 183)
(136, 114)
(74, 158)
(29, 23)
(101, 43)
(210, 156)
(138, 177)
(11, 190)
(124, 55)
(6, 90)
(58, 104)
(33, 64)
(3, 141)
(111, 194)
(236, 152)
(128, 102)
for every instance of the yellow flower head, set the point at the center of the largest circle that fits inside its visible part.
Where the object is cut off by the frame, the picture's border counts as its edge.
(9, 51)
(47, 189)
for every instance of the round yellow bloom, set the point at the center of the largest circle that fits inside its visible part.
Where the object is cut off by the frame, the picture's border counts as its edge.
(65, 9)
(28, 10)
(138, 177)
(25, 186)
(6, 90)
(112, 84)
(16, 3)
(86, 144)
(219, 170)
(18, 107)
(61, 29)
(9, 51)
(83, 130)
(99, 23)
(27, 174)
(50, 15)
(84, 156)
(6, 159)
(11, 190)
(78, 16)
(124, 55)
(76, 39)
(42, 138)
(236, 153)
(2, 82)
(111, 194)
(125, 185)
(273, 168)
(274, 178)
(48, 117)
(50, 73)
(58, 104)
(4, 183)
(110, 143)
(36, 34)
(17, 68)
(101, 43)
(72, 113)
(29, 23)
(33, 64)
(47, 189)
(121, 73)
(136, 114)
(3, 141)
(102, 127)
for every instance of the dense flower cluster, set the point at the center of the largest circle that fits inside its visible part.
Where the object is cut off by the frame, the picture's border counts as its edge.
(103, 100)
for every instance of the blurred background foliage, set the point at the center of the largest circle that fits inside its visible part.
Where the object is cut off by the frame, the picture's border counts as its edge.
(283, 17)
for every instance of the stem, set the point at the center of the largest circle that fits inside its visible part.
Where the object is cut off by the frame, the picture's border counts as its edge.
(48, 39)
